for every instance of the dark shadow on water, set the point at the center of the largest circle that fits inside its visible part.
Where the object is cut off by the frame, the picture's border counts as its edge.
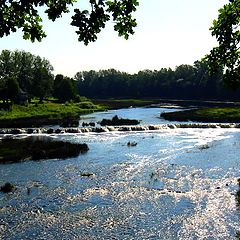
(37, 148)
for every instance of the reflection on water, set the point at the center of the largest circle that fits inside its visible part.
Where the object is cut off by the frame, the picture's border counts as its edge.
(168, 186)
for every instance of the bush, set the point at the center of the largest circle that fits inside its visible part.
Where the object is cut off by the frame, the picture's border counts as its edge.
(115, 121)
(86, 105)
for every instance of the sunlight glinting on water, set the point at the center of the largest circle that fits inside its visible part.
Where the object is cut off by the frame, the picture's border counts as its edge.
(173, 184)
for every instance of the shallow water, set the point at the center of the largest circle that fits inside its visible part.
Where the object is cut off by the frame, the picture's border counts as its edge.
(146, 116)
(174, 184)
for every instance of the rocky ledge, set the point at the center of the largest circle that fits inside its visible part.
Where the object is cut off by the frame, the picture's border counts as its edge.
(126, 128)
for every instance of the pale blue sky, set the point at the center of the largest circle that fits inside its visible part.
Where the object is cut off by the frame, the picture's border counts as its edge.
(169, 33)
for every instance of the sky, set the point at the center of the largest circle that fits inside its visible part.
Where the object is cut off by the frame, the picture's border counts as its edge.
(169, 33)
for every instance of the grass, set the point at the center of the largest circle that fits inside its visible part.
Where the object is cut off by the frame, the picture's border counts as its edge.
(46, 112)
(50, 112)
(220, 112)
(215, 114)
(48, 109)
(123, 103)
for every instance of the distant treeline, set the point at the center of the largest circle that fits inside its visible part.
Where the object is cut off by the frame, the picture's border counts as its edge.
(185, 82)
(24, 76)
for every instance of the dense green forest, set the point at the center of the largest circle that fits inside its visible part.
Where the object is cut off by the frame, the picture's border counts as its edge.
(24, 76)
(184, 82)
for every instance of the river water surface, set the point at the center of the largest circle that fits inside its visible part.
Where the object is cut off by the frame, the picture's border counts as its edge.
(174, 184)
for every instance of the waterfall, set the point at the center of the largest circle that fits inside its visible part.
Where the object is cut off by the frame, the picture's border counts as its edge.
(17, 131)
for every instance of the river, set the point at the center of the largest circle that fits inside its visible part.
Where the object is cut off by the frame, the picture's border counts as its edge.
(150, 115)
(174, 184)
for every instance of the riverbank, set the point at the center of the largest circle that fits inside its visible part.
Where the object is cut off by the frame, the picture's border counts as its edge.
(213, 115)
(158, 102)
(48, 113)
(199, 111)
(67, 115)
(124, 103)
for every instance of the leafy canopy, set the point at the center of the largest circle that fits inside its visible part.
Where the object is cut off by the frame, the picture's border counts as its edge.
(24, 14)
(226, 55)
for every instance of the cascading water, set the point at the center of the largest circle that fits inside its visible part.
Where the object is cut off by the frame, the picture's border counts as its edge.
(117, 128)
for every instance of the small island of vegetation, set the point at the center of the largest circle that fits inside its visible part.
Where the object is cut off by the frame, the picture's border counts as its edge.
(38, 148)
(116, 121)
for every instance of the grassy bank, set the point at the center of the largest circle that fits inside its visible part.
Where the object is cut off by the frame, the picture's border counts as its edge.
(216, 114)
(34, 114)
(123, 103)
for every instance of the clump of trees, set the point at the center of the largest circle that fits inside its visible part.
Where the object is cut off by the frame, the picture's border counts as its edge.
(64, 89)
(24, 76)
(184, 82)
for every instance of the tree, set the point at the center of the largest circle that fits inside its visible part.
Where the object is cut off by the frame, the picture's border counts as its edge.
(227, 55)
(24, 15)
(6, 67)
(23, 63)
(12, 89)
(207, 85)
(6, 75)
(87, 82)
(57, 85)
(31, 74)
(42, 78)
(64, 88)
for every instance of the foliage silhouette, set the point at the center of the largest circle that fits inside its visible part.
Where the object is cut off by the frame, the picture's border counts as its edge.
(226, 55)
(25, 15)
